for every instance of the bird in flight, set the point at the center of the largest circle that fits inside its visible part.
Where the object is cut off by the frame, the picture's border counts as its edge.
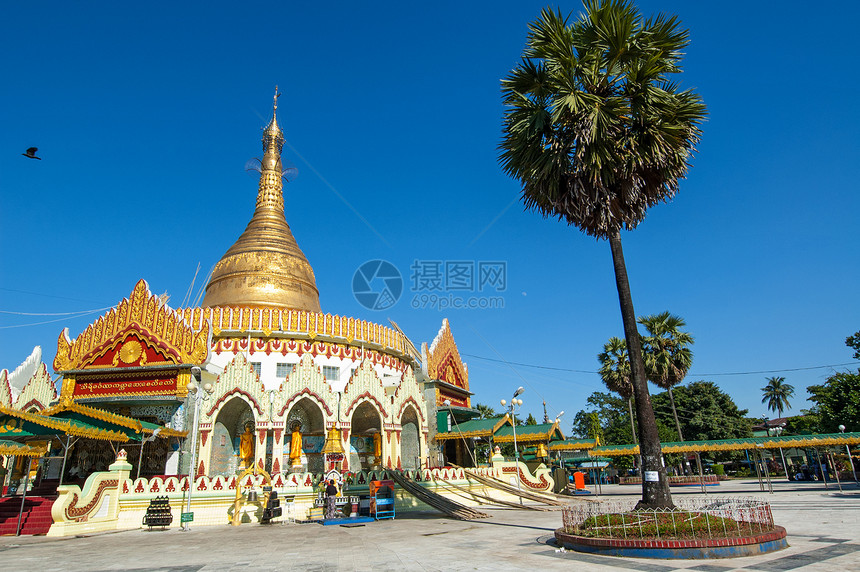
(31, 153)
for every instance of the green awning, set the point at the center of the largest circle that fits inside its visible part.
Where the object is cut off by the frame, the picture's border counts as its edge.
(131, 429)
(572, 445)
(15, 424)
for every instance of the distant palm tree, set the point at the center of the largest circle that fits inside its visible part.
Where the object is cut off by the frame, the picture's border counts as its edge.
(485, 411)
(615, 373)
(667, 354)
(776, 394)
(596, 132)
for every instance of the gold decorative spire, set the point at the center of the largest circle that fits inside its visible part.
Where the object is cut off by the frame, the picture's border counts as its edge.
(265, 267)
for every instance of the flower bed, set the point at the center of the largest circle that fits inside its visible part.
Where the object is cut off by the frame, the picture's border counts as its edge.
(696, 528)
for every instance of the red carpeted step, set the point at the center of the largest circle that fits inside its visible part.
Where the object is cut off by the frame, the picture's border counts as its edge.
(36, 518)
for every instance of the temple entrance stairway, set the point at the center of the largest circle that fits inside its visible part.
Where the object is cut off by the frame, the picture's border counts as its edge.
(36, 518)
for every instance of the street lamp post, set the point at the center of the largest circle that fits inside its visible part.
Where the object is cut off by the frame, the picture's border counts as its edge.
(848, 450)
(514, 403)
(778, 430)
(198, 397)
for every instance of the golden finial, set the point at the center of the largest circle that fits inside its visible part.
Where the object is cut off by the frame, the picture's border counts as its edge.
(266, 267)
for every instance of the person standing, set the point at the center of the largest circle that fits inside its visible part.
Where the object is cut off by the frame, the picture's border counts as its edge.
(330, 496)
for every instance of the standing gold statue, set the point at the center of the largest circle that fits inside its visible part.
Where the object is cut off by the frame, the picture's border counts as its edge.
(296, 446)
(246, 447)
(377, 446)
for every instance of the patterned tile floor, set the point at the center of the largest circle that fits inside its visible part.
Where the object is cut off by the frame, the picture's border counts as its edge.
(823, 527)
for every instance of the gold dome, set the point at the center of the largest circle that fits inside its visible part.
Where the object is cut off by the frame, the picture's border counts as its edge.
(265, 267)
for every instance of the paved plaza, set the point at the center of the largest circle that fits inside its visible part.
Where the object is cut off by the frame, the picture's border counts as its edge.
(823, 533)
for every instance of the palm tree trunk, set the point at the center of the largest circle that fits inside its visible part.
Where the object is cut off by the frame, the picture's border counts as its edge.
(685, 463)
(633, 431)
(655, 493)
(675, 414)
(632, 425)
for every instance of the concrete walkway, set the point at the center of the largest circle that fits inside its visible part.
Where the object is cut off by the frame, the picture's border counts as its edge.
(823, 533)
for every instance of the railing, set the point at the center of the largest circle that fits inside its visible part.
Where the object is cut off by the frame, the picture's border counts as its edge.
(691, 518)
(675, 480)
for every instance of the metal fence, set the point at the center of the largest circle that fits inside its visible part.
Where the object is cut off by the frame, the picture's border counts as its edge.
(691, 518)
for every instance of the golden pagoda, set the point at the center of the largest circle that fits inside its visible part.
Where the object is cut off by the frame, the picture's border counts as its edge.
(265, 267)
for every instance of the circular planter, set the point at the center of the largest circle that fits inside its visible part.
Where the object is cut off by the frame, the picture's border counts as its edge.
(677, 549)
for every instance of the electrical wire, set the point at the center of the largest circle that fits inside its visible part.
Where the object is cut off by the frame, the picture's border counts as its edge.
(87, 313)
(54, 313)
(536, 366)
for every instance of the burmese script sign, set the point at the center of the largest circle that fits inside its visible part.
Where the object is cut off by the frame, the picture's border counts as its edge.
(138, 384)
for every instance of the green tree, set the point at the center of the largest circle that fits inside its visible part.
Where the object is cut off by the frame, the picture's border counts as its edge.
(615, 373)
(853, 342)
(776, 394)
(667, 352)
(607, 416)
(596, 132)
(530, 420)
(837, 401)
(706, 412)
(806, 423)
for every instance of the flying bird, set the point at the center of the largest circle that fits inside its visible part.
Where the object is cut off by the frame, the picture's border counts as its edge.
(31, 153)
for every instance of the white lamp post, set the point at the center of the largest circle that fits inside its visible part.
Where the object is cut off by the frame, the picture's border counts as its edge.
(199, 396)
(515, 403)
(848, 450)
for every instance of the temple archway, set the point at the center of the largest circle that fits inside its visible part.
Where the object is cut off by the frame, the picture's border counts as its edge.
(308, 414)
(410, 439)
(226, 435)
(365, 429)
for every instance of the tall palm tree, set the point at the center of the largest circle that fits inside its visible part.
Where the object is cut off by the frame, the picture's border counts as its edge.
(615, 373)
(776, 394)
(597, 133)
(667, 354)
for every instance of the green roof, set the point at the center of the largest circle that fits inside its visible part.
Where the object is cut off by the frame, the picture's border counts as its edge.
(529, 433)
(472, 428)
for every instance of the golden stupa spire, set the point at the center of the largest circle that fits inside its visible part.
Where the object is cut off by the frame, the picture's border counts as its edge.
(265, 267)
(271, 191)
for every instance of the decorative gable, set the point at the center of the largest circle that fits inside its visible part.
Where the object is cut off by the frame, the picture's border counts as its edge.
(142, 330)
(444, 363)
(39, 392)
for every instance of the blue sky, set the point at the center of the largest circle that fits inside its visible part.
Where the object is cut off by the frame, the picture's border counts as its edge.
(145, 115)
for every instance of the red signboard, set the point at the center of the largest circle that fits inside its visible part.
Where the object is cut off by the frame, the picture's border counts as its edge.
(132, 385)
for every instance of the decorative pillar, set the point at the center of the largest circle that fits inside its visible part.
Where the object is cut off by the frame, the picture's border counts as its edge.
(260, 447)
(278, 449)
(398, 461)
(204, 447)
(344, 432)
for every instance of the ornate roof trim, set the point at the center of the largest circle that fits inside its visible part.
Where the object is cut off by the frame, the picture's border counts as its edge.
(786, 442)
(141, 311)
(240, 321)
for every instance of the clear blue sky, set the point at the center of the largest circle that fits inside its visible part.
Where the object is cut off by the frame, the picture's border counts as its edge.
(145, 115)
